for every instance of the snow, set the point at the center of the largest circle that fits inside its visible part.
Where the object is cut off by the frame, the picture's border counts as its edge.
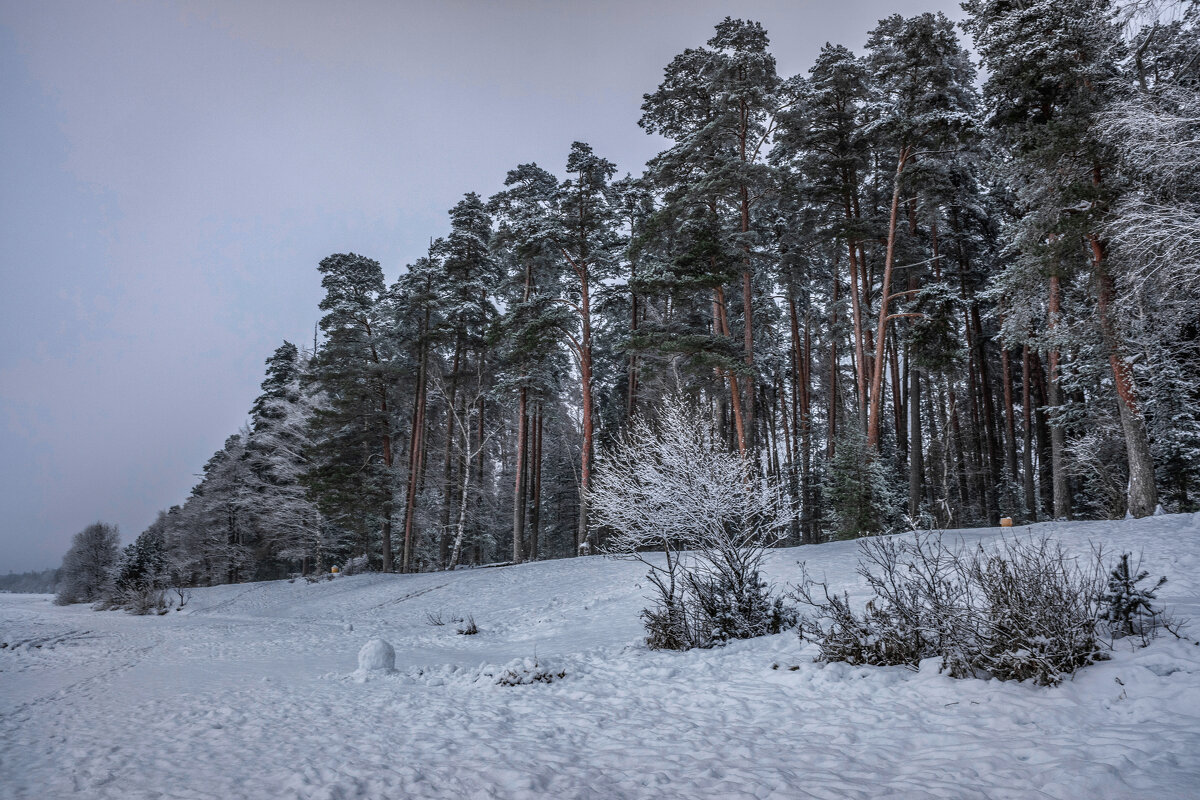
(250, 692)
(377, 655)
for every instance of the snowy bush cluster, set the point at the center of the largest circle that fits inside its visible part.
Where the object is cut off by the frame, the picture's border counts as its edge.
(1025, 611)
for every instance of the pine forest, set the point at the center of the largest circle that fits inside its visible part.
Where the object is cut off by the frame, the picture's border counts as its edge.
(909, 291)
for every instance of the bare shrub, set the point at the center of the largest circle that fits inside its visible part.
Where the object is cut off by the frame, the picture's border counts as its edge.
(467, 627)
(1038, 611)
(916, 611)
(146, 601)
(1028, 611)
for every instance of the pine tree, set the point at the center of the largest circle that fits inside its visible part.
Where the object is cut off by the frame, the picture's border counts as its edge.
(1128, 607)
(584, 231)
(531, 327)
(466, 285)
(859, 489)
(352, 475)
(143, 572)
(719, 104)
(922, 81)
(1051, 69)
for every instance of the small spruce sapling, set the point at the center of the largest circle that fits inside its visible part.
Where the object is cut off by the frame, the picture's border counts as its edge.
(1128, 607)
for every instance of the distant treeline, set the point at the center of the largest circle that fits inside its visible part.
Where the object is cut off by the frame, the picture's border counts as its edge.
(43, 582)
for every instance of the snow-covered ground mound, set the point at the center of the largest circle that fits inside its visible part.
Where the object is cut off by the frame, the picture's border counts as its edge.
(251, 691)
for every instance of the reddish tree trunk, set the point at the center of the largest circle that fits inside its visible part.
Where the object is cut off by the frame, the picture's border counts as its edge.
(415, 456)
(884, 303)
(1143, 494)
(1058, 441)
(1027, 431)
(519, 487)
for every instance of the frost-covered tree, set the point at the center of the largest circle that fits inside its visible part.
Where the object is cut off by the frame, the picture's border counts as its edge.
(288, 523)
(86, 571)
(925, 104)
(859, 489)
(531, 328)
(718, 105)
(143, 571)
(667, 486)
(466, 286)
(584, 231)
(212, 535)
(1154, 243)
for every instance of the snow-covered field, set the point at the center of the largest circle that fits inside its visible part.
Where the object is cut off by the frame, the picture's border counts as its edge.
(251, 692)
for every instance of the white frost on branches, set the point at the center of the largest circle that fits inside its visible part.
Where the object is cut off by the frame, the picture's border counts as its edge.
(669, 487)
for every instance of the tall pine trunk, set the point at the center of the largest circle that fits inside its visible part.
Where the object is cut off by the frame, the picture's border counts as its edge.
(884, 304)
(1010, 421)
(519, 488)
(916, 462)
(1031, 507)
(388, 459)
(1058, 439)
(1041, 425)
(448, 462)
(416, 447)
(535, 512)
(1143, 494)
(585, 369)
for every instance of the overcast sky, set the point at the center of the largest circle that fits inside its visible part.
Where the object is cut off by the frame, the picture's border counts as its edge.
(172, 173)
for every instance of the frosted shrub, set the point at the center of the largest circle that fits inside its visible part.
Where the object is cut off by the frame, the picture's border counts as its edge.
(1038, 611)
(1026, 612)
(529, 672)
(141, 576)
(740, 609)
(146, 601)
(674, 498)
(915, 611)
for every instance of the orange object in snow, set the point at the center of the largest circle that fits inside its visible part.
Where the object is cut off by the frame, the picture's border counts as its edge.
(1006, 522)
(335, 569)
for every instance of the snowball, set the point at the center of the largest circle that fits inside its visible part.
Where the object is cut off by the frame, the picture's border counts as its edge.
(377, 655)
(930, 666)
